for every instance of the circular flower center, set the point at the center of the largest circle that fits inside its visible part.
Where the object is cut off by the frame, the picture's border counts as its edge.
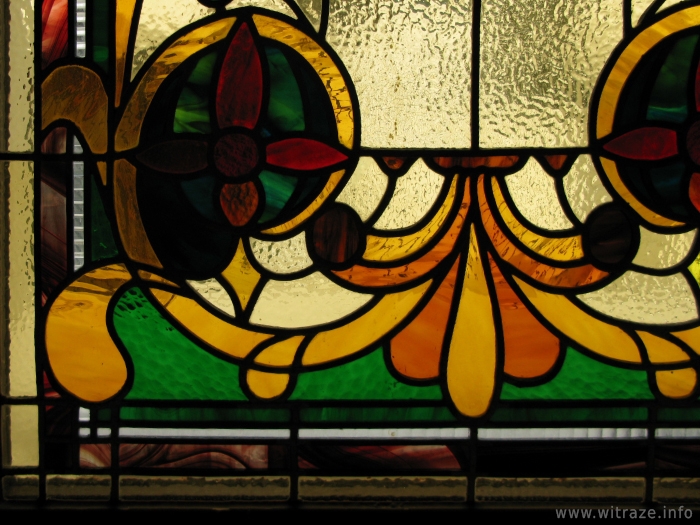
(236, 155)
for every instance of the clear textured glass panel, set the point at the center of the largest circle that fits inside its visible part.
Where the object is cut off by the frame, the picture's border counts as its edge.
(539, 63)
(283, 257)
(584, 189)
(365, 189)
(20, 436)
(18, 290)
(17, 87)
(394, 52)
(663, 251)
(312, 10)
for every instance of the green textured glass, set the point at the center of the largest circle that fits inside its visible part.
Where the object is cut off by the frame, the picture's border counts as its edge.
(100, 33)
(679, 414)
(203, 414)
(192, 110)
(278, 190)
(103, 245)
(570, 414)
(374, 414)
(285, 111)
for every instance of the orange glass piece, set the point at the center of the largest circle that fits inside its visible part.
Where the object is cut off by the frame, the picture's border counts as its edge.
(241, 276)
(556, 161)
(102, 169)
(129, 130)
(221, 335)
(126, 207)
(125, 14)
(662, 351)
(494, 161)
(280, 354)
(81, 352)
(471, 363)
(691, 338)
(149, 276)
(366, 330)
(266, 385)
(239, 202)
(530, 349)
(677, 384)
(544, 273)
(76, 93)
(384, 277)
(416, 350)
(394, 163)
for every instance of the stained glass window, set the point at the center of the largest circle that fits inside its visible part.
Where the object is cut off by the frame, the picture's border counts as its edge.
(337, 250)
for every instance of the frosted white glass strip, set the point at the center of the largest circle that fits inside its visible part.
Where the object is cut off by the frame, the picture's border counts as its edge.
(384, 433)
(78, 215)
(205, 433)
(84, 415)
(80, 28)
(678, 433)
(496, 434)
(84, 432)
(104, 432)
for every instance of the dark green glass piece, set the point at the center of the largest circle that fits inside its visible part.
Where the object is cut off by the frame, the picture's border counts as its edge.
(192, 110)
(203, 414)
(679, 414)
(104, 415)
(366, 378)
(100, 33)
(278, 191)
(569, 414)
(583, 377)
(374, 414)
(667, 183)
(103, 245)
(167, 365)
(669, 96)
(285, 111)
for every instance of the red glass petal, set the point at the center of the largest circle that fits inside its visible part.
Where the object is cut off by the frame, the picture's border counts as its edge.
(303, 154)
(645, 144)
(239, 92)
(694, 190)
(176, 156)
(239, 202)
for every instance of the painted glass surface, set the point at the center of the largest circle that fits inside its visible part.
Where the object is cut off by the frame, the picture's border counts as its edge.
(348, 238)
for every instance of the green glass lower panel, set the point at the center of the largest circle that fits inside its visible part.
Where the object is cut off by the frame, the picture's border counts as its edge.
(203, 414)
(366, 378)
(377, 414)
(582, 377)
(167, 365)
(104, 415)
(570, 414)
(679, 414)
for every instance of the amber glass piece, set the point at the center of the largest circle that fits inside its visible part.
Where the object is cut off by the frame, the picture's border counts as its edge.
(556, 161)
(323, 65)
(366, 330)
(102, 170)
(280, 354)
(336, 234)
(614, 177)
(125, 14)
(416, 350)
(691, 338)
(239, 202)
(677, 384)
(662, 351)
(494, 161)
(551, 275)
(291, 224)
(396, 248)
(241, 276)
(609, 235)
(267, 385)
(602, 338)
(530, 349)
(148, 276)
(380, 277)
(81, 352)
(126, 207)
(55, 142)
(557, 249)
(76, 93)
(176, 156)
(129, 130)
(225, 337)
(394, 163)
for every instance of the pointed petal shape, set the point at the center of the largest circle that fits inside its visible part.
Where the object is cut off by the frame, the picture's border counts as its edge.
(239, 92)
(176, 156)
(303, 154)
(645, 144)
(239, 202)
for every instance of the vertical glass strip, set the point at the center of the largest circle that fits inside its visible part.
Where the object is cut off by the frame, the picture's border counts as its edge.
(17, 70)
(20, 436)
(80, 28)
(19, 370)
(78, 208)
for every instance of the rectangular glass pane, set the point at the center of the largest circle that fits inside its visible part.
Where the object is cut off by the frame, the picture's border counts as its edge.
(20, 436)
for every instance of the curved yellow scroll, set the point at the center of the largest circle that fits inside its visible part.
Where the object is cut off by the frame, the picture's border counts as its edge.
(83, 357)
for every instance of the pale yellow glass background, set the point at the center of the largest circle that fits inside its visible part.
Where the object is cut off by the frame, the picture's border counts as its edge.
(20, 423)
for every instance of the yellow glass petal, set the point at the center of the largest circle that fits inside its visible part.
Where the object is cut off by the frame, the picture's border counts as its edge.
(76, 93)
(266, 385)
(691, 338)
(82, 354)
(332, 183)
(148, 276)
(324, 66)
(280, 354)
(677, 384)
(562, 249)
(662, 351)
(629, 58)
(602, 338)
(471, 363)
(614, 177)
(129, 130)
(241, 276)
(366, 330)
(102, 168)
(126, 207)
(225, 337)
(125, 15)
(396, 248)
